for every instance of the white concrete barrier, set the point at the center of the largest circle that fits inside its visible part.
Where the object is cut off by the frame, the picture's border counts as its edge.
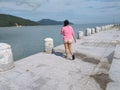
(88, 32)
(80, 35)
(103, 28)
(48, 45)
(93, 31)
(97, 29)
(106, 27)
(6, 57)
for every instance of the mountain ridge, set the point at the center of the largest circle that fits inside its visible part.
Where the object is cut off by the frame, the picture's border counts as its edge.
(50, 22)
(10, 20)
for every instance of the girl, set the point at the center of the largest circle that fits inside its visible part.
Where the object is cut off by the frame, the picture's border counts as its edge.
(68, 33)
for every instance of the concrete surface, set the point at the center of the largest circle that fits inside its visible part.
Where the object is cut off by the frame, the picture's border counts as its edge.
(96, 59)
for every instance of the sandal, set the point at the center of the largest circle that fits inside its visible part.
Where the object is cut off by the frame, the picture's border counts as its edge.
(73, 57)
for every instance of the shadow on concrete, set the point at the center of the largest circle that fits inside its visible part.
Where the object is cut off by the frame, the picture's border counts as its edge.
(102, 79)
(86, 58)
(110, 57)
(59, 54)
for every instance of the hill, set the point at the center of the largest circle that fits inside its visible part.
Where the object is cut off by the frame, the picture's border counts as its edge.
(50, 22)
(9, 20)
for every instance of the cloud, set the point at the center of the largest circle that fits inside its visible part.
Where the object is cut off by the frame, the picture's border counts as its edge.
(76, 10)
(110, 0)
(104, 0)
(31, 4)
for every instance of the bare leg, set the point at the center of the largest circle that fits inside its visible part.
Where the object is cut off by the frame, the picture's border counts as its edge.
(70, 48)
(66, 49)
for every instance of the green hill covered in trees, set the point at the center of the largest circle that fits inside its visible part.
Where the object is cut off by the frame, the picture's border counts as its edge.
(9, 20)
(50, 22)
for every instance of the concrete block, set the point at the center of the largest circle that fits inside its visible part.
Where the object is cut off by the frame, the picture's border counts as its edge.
(48, 45)
(80, 34)
(6, 57)
(97, 29)
(93, 31)
(88, 32)
(117, 52)
(114, 72)
(113, 86)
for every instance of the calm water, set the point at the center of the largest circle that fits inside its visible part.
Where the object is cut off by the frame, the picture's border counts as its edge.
(28, 40)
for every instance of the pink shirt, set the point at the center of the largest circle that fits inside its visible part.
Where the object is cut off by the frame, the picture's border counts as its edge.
(67, 32)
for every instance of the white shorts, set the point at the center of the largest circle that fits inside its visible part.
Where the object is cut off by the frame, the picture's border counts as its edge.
(68, 41)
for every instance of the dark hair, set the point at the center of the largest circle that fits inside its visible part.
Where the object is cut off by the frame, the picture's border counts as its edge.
(66, 22)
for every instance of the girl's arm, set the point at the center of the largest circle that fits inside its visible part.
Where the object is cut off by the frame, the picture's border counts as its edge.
(74, 38)
(73, 35)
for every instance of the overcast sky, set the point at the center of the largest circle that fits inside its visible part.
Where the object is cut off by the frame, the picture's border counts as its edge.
(77, 11)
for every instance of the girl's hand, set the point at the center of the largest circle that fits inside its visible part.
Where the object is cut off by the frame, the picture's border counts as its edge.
(75, 40)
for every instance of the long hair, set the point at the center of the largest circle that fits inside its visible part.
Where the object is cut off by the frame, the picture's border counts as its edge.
(66, 22)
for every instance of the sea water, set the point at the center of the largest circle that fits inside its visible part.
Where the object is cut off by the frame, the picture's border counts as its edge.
(29, 40)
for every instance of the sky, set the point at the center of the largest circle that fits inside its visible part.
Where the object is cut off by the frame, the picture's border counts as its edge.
(76, 11)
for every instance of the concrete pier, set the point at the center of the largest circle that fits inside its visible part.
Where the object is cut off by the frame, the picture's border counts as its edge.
(96, 67)
(101, 49)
